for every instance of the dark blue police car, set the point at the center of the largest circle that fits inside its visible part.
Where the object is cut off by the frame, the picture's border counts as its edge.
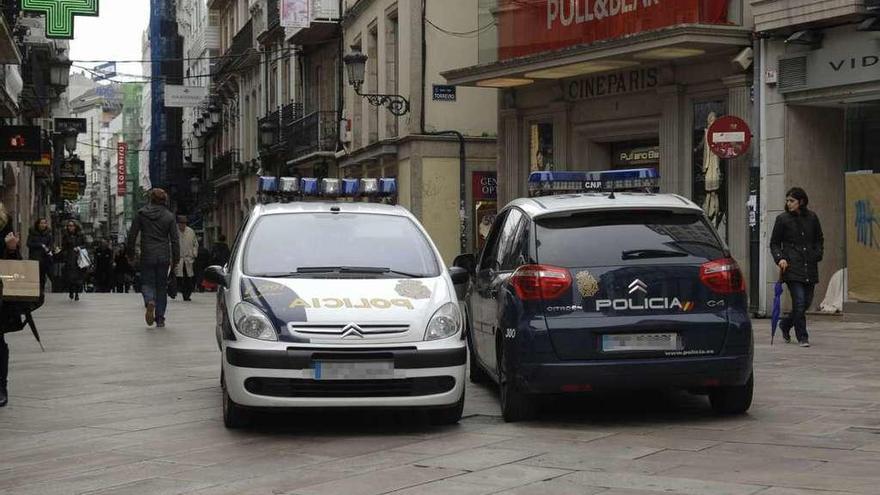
(580, 292)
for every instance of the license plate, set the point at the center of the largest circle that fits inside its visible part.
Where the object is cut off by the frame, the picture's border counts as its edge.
(353, 370)
(641, 342)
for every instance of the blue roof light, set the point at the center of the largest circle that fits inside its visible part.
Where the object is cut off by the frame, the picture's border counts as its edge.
(349, 187)
(635, 179)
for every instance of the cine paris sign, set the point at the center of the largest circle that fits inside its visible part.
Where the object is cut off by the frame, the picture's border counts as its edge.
(60, 13)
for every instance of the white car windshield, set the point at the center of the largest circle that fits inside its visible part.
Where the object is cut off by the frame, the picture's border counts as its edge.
(345, 245)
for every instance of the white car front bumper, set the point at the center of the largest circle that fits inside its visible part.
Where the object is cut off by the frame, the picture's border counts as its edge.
(425, 375)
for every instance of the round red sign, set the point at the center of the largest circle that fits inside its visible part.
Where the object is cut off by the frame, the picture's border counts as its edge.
(729, 137)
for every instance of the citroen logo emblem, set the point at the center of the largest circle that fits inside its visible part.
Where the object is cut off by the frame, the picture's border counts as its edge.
(352, 330)
(638, 286)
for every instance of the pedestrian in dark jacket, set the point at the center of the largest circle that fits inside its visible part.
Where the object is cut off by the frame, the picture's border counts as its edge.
(122, 270)
(103, 267)
(220, 251)
(9, 251)
(160, 250)
(40, 243)
(71, 243)
(797, 245)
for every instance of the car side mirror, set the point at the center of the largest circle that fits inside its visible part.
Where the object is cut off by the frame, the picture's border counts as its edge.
(466, 261)
(460, 278)
(459, 275)
(216, 275)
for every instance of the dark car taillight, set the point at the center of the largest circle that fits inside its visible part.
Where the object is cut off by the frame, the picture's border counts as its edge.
(536, 282)
(722, 276)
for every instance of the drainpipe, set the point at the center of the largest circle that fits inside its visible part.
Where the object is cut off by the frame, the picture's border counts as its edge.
(462, 166)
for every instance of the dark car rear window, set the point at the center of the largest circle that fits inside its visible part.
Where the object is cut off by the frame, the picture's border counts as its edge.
(626, 237)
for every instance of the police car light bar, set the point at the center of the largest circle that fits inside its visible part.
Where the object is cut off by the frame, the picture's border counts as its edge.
(568, 182)
(287, 188)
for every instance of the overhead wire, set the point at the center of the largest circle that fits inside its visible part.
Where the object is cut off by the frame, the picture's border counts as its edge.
(164, 78)
(462, 34)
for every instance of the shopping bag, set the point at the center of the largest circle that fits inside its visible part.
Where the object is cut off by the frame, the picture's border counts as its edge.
(172, 284)
(83, 260)
(21, 280)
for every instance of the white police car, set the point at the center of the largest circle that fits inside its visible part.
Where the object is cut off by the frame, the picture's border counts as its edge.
(337, 304)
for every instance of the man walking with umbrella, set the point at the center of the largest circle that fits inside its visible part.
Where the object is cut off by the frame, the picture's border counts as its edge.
(797, 246)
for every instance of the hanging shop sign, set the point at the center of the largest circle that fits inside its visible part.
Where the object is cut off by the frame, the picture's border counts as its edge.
(104, 71)
(63, 124)
(527, 28)
(45, 161)
(296, 13)
(121, 152)
(20, 143)
(185, 96)
(60, 14)
(729, 137)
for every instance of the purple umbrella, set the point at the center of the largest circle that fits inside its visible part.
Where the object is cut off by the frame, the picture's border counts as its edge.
(774, 316)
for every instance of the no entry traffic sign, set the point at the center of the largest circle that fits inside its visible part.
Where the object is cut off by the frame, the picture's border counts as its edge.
(729, 137)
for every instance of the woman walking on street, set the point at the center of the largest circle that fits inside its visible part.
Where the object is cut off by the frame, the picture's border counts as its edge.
(9, 250)
(797, 246)
(40, 243)
(71, 244)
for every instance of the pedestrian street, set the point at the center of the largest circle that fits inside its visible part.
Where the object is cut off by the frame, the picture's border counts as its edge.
(114, 407)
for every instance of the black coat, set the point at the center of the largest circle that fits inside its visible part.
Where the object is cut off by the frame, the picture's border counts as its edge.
(73, 274)
(40, 246)
(798, 239)
(160, 239)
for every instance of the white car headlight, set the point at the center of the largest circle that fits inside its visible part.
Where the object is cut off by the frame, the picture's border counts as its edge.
(253, 323)
(446, 322)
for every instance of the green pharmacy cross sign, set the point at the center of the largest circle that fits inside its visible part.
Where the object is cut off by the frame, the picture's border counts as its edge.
(60, 14)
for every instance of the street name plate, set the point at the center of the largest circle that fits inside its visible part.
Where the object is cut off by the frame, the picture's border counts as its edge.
(640, 342)
(353, 370)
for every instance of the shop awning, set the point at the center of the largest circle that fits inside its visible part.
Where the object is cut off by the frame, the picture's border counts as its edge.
(663, 45)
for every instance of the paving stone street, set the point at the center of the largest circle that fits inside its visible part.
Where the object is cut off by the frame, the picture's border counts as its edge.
(115, 407)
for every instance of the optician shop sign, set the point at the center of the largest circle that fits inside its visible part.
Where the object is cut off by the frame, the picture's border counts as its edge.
(530, 27)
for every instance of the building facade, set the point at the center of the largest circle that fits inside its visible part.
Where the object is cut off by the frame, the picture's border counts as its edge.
(408, 45)
(818, 94)
(636, 84)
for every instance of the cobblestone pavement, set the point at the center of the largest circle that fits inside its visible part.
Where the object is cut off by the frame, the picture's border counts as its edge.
(114, 407)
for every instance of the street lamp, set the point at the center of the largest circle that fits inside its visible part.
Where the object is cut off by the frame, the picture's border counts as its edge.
(267, 134)
(355, 63)
(59, 71)
(214, 110)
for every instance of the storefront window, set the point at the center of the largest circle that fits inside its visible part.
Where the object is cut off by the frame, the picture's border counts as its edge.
(636, 154)
(862, 145)
(541, 147)
(863, 202)
(709, 186)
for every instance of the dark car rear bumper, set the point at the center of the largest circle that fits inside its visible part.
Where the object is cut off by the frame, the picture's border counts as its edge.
(572, 376)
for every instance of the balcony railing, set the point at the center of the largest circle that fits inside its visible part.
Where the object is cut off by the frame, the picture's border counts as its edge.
(283, 118)
(241, 43)
(223, 165)
(317, 131)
